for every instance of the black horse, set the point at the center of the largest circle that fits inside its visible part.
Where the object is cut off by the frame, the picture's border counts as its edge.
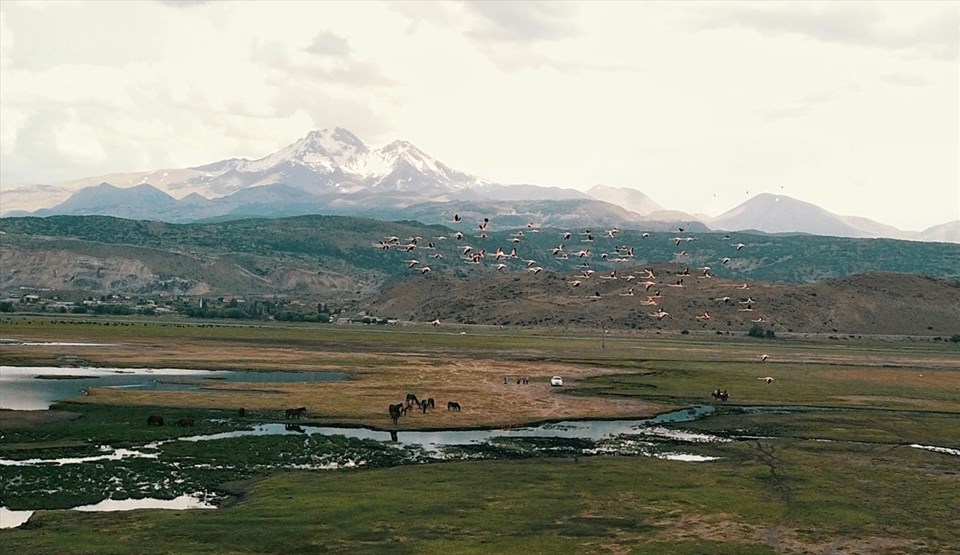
(296, 413)
(395, 412)
(453, 405)
(185, 422)
(411, 398)
(242, 412)
(430, 403)
(424, 405)
(154, 420)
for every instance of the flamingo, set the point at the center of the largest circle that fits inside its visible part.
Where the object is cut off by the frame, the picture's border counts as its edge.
(744, 286)
(535, 270)
(438, 256)
(647, 284)
(723, 299)
(704, 316)
(567, 235)
(456, 218)
(726, 260)
(501, 266)
(706, 272)
(458, 235)
(739, 246)
(660, 314)
(436, 322)
(576, 283)
(425, 269)
(412, 263)
(648, 274)
(629, 293)
(644, 235)
(763, 358)
(768, 379)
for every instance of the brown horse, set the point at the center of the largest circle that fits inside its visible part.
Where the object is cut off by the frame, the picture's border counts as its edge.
(453, 405)
(154, 420)
(296, 413)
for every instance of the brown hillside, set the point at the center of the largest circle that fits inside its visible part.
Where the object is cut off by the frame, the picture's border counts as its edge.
(879, 303)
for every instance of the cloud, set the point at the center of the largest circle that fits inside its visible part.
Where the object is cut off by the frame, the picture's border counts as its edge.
(886, 26)
(522, 22)
(79, 142)
(326, 43)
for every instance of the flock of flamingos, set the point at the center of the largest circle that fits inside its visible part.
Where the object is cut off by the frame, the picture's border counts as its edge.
(647, 285)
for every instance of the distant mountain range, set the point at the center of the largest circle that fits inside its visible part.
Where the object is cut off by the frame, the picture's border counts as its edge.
(334, 172)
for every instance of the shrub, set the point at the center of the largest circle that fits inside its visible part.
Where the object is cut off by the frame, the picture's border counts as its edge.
(756, 331)
(955, 338)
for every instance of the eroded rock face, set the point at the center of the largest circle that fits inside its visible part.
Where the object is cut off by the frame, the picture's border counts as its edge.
(65, 270)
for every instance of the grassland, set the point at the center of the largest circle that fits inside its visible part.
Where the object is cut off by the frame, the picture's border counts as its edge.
(843, 479)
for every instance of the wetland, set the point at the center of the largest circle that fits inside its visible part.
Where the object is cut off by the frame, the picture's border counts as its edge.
(853, 448)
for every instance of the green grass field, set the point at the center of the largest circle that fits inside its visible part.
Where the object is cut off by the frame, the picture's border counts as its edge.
(839, 480)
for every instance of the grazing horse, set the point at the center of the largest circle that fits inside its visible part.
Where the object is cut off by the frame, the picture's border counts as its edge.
(423, 406)
(154, 420)
(242, 412)
(453, 405)
(395, 412)
(296, 413)
(430, 403)
(411, 398)
(185, 422)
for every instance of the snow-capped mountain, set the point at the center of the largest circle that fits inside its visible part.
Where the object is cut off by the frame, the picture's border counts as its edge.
(335, 162)
(332, 171)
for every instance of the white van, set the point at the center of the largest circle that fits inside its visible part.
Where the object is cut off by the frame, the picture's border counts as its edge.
(556, 381)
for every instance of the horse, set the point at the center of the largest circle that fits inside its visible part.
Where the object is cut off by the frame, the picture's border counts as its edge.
(154, 420)
(185, 422)
(453, 405)
(431, 403)
(411, 398)
(423, 406)
(395, 412)
(242, 412)
(296, 413)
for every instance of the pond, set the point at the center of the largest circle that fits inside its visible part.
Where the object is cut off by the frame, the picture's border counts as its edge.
(38, 387)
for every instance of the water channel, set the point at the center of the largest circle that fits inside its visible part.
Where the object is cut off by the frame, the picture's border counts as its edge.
(38, 387)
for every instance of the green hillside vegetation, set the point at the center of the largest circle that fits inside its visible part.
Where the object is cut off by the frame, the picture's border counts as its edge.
(212, 252)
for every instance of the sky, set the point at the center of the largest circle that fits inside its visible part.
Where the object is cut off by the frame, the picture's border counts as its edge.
(853, 106)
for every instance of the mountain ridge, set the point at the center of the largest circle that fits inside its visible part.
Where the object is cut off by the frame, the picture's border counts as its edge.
(339, 174)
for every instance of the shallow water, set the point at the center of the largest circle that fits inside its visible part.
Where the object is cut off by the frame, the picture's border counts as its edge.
(12, 519)
(22, 390)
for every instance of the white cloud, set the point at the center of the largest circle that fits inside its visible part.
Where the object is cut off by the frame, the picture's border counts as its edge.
(78, 142)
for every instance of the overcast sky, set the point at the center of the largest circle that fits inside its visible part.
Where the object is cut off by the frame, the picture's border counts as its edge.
(851, 106)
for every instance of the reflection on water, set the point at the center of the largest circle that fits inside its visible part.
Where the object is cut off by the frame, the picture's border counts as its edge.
(23, 391)
(12, 519)
(435, 439)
